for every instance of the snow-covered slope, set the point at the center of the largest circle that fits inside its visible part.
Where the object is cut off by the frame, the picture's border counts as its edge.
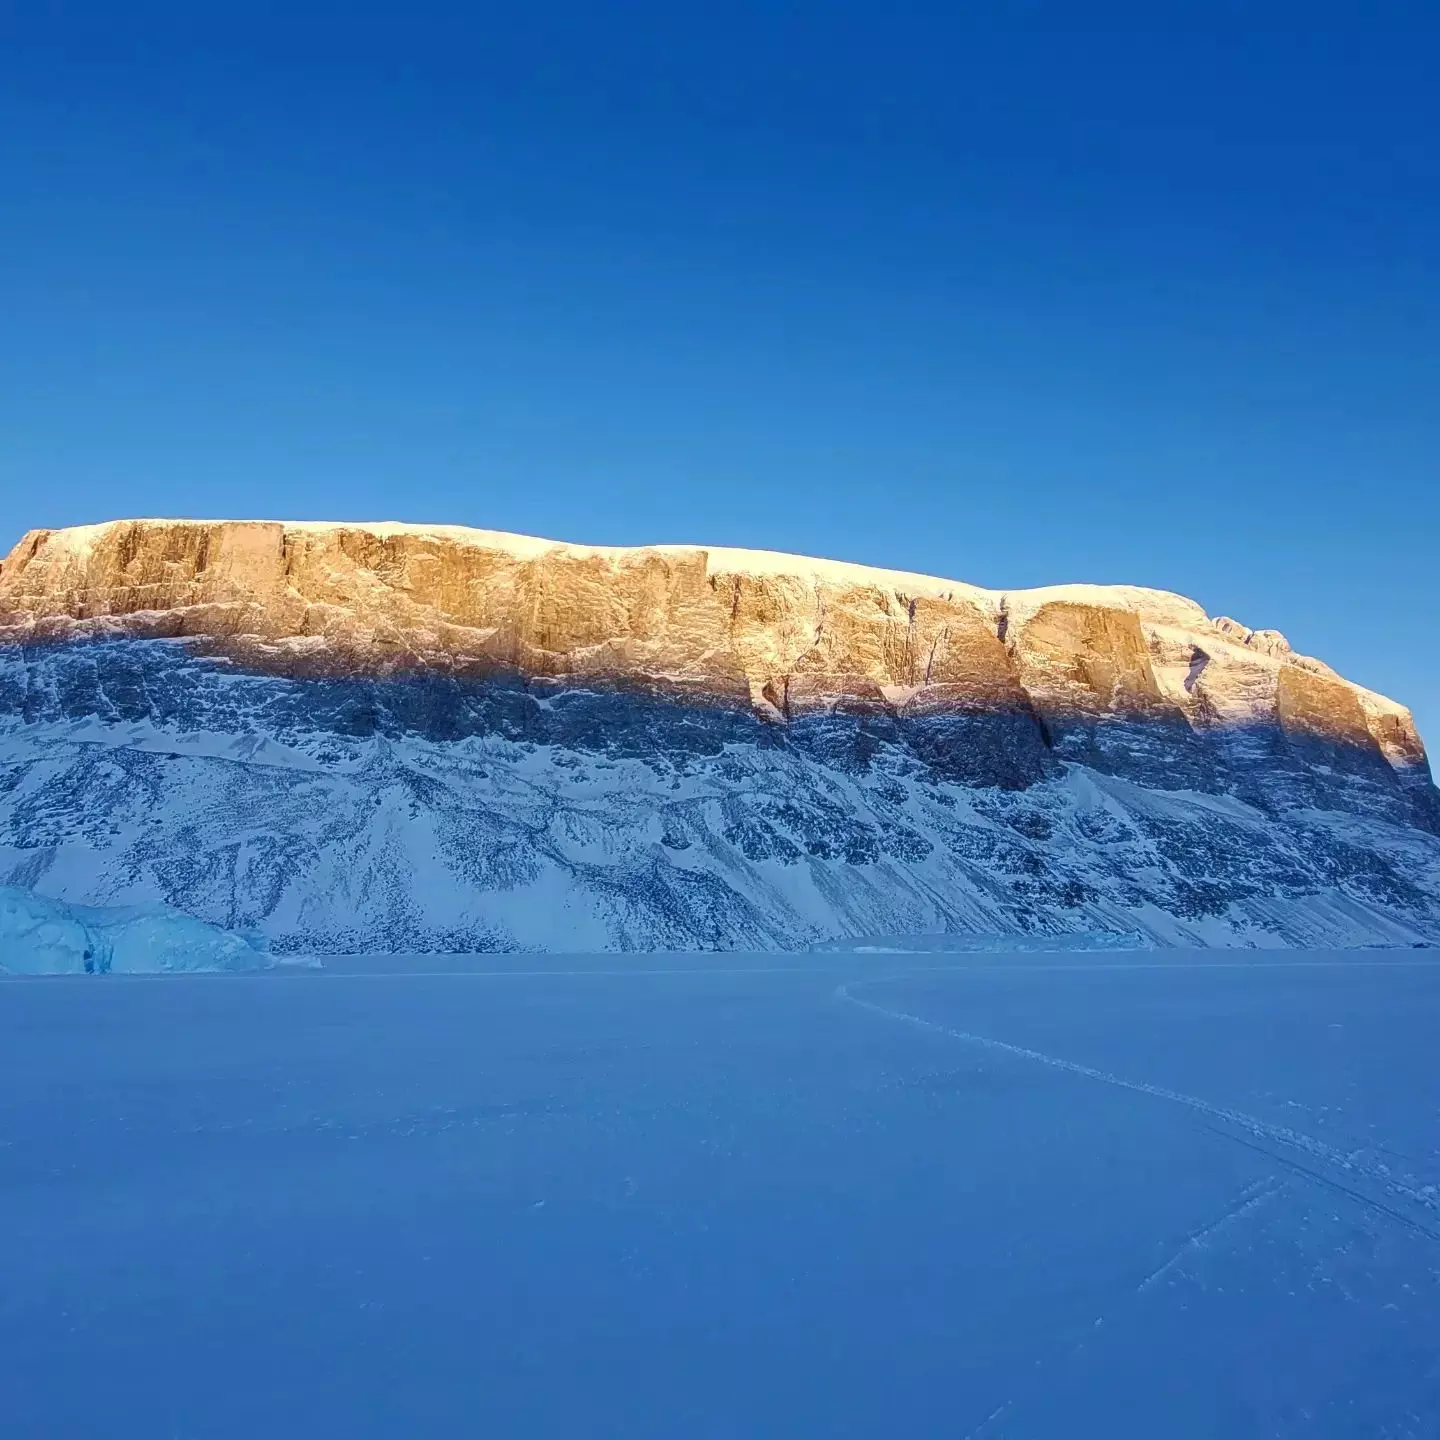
(407, 815)
(402, 737)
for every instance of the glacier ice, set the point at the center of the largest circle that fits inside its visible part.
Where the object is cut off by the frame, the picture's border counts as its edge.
(40, 936)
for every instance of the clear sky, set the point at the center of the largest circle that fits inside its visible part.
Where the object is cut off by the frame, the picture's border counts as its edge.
(1016, 293)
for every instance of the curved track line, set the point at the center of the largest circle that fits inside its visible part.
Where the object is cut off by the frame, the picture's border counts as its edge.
(1315, 1150)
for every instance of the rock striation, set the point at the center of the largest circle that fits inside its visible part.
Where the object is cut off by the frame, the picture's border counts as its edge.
(312, 635)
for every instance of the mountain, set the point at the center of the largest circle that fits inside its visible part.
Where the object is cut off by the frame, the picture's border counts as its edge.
(407, 738)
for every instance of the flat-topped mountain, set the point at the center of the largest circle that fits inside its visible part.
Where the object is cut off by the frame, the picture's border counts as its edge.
(334, 652)
(788, 635)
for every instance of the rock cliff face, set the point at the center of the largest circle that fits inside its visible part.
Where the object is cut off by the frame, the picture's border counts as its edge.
(351, 641)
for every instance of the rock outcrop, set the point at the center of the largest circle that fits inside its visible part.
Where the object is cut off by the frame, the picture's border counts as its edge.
(851, 731)
(781, 633)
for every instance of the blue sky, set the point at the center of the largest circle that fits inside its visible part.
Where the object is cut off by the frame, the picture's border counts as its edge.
(1016, 293)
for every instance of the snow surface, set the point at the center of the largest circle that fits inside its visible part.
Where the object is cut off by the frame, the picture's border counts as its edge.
(40, 936)
(1159, 1194)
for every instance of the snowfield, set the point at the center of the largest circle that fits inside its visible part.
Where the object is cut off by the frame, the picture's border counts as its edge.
(1160, 1193)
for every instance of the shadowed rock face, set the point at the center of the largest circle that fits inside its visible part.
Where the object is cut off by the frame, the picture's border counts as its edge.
(692, 747)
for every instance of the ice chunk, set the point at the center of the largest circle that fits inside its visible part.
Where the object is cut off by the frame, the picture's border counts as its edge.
(41, 936)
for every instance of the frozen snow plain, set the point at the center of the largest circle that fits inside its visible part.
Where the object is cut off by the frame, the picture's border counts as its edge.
(1162, 1194)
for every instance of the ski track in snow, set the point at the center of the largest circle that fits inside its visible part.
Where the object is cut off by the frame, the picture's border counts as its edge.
(1250, 1199)
(1344, 1171)
(1255, 1134)
(998, 1413)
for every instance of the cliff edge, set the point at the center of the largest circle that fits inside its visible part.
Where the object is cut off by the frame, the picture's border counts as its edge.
(396, 737)
(782, 634)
